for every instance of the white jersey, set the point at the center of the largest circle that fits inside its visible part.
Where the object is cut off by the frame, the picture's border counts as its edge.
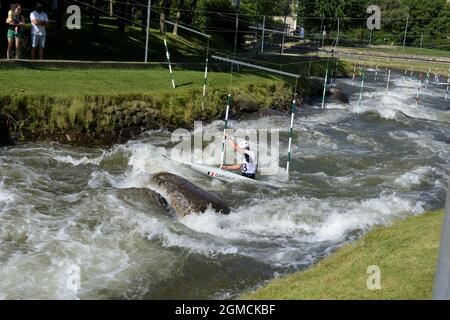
(41, 16)
(249, 162)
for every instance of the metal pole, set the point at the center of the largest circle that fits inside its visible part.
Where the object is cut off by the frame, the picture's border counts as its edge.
(441, 288)
(282, 39)
(406, 30)
(148, 29)
(370, 38)
(245, 64)
(238, 4)
(321, 24)
(337, 39)
(263, 34)
(323, 35)
(421, 40)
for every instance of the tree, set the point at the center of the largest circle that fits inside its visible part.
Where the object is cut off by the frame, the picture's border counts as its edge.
(189, 17)
(178, 16)
(165, 12)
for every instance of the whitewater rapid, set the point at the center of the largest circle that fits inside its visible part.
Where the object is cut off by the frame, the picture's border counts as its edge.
(354, 167)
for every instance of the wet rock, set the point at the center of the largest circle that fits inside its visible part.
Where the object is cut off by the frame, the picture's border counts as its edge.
(126, 134)
(247, 106)
(5, 137)
(185, 197)
(146, 198)
(314, 87)
(337, 95)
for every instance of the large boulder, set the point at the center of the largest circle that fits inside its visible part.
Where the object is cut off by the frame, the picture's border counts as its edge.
(185, 197)
(146, 199)
(314, 86)
(336, 95)
(244, 104)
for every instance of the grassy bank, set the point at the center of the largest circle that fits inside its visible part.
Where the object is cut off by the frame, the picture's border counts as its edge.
(434, 67)
(49, 101)
(406, 253)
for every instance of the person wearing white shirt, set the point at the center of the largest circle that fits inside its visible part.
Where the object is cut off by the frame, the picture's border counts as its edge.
(249, 164)
(39, 22)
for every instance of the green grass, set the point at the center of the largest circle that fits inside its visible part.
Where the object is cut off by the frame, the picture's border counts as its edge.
(80, 82)
(406, 253)
(109, 45)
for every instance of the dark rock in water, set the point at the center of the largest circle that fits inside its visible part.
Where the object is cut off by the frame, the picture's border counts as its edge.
(185, 197)
(246, 106)
(146, 197)
(314, 87)
(126, 134)
(270, 112)
(336, 95)
(5, 138)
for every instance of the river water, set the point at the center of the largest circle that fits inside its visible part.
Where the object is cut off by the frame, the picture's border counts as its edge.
(354, 168)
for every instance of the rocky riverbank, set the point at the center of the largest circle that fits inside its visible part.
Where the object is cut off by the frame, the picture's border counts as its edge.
(107, 119)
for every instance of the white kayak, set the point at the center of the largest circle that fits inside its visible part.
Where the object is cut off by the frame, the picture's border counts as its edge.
(220, 174)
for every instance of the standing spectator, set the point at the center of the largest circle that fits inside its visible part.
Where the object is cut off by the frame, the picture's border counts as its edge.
(39, 21)
(15, 23)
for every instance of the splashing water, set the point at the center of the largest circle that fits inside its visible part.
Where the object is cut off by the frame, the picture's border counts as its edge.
(354, 167)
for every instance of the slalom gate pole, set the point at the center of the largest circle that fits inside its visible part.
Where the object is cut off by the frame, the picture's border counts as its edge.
(291, 128)
(170, 65)
(448, 84)
(418, 89)
(353, 77)
(388, 79)
(324, 88)
(225, 127)
(205, 80)
(361, 89)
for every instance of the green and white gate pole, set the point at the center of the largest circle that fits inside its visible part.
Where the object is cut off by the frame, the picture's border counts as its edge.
(324, 88)
(291, 128)
(361, 89)
(168, 61)
(418, 89)
(388, 80)
(448, 84)
(205, 80)
(225, 127)
(353, 77)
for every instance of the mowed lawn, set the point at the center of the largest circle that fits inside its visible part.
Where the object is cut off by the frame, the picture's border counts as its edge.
(80, 82)
(406, 253)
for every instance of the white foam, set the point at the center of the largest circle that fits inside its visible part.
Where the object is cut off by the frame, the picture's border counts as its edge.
(413, 177)
(5, 195)
(77, 162)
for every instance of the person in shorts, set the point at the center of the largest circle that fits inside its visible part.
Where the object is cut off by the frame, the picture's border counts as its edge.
(39, 23)
(15, 22)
